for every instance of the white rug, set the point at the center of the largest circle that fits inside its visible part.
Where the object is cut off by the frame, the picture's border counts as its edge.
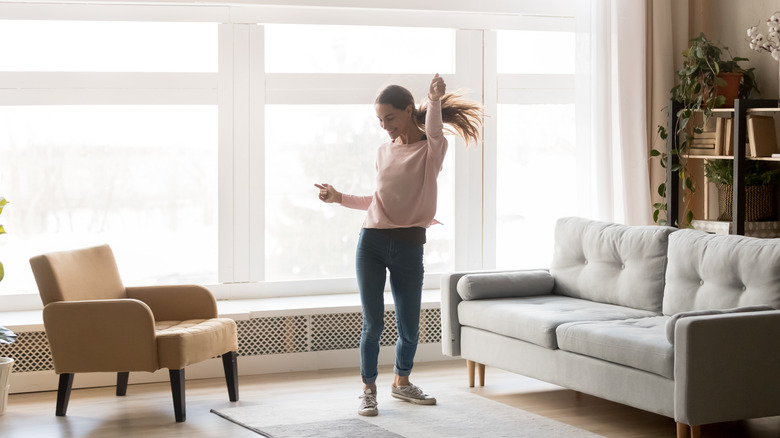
(457, 414)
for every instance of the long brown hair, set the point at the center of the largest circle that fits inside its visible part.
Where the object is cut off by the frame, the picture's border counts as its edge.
(463, 116)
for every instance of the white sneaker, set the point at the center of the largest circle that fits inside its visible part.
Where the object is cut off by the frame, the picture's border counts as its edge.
(412, 394)
(368, 403)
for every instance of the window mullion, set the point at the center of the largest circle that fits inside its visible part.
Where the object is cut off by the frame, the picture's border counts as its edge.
(257, 180)
(468, 162)
(490, 143)
(225, 160)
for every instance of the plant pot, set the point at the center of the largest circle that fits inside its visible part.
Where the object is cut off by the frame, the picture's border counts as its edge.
(6, 364)
(759, 202)
(731, 90)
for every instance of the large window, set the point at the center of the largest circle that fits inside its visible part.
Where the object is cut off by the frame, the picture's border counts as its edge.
(139, 178)
(192, 147)
(327, 140)
(82, 167)
(536, 171)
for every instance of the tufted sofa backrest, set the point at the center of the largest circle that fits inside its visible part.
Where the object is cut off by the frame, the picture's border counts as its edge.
(610, 263)
(708, 271)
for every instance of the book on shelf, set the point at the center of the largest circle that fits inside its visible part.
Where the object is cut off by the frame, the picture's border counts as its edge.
(704, 143)
(724, 136)
(761, 136)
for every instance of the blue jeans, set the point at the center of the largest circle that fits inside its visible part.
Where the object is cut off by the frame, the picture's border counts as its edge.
(376, 254)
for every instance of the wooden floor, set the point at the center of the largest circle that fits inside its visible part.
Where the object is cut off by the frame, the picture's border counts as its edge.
(147, 410)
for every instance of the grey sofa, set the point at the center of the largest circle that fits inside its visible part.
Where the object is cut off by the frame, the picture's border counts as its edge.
(677, 322)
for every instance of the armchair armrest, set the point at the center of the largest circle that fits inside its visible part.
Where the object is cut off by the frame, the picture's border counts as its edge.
(176, 302)
(101, 336)
(726, 367)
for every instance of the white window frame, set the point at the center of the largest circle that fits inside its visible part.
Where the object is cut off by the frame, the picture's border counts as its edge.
(241, 106)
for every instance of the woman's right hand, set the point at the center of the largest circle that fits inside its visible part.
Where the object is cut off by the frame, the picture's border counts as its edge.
(328, 193)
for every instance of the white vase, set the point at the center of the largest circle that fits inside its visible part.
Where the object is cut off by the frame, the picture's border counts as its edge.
(6, 364)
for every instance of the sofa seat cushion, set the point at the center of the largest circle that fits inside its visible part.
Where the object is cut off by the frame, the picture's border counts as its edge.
(639, 343)
(534, 319)
(181, 343)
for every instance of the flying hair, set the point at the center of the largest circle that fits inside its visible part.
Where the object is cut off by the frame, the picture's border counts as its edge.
(462, 117)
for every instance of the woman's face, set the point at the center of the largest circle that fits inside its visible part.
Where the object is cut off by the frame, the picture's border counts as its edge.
(396, 122)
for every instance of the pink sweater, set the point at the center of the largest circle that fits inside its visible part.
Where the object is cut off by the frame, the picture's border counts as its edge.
(406, 189)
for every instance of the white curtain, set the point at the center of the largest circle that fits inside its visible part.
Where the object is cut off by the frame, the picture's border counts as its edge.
(611, 111)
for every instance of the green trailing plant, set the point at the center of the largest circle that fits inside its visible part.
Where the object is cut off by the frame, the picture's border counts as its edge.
(696, 92)
(757, 173)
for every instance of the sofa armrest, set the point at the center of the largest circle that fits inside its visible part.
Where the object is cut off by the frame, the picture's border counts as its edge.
(726, 367)
(450, 325)
(450, 298)
(176, 302)
(101, 336)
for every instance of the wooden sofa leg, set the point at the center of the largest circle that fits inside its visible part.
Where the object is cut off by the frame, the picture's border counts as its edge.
(470, 371)
(682, 430)
(177, 388)
(230, 364)
(481, 368)
(121, 383)
(63, 394)
(685, 431)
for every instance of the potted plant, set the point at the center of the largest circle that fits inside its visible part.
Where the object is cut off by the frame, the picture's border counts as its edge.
(6, 337)
(701, 89)
(759, 188)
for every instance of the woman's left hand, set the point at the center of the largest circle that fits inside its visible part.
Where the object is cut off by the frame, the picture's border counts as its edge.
(437, 89)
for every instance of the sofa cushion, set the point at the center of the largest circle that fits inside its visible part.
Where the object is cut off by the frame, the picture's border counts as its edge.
(638, 343)
(610, 263)
(534, 319)
(672, 323)
(709, 271)
(505, 284)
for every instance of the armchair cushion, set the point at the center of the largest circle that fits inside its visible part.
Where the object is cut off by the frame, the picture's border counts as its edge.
(181, 343)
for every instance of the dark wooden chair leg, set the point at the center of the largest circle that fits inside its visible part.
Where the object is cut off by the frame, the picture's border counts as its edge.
(177, 388)
(230, 364)
(63, 394)
(121, 383)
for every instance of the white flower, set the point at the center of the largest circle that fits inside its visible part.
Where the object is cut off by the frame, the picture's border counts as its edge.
(770, 43)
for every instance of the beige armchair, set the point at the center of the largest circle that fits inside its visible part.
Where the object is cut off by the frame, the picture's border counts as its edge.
(95, 324)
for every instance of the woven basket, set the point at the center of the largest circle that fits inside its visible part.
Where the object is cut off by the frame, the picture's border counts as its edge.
(759, 202)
